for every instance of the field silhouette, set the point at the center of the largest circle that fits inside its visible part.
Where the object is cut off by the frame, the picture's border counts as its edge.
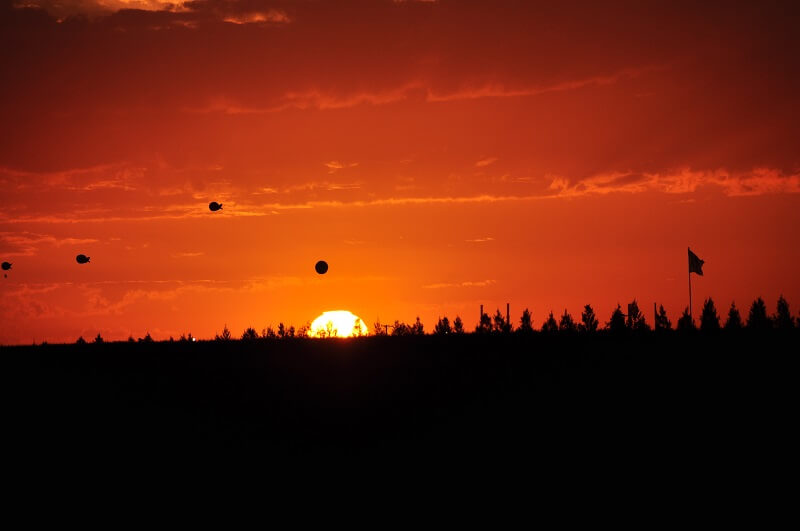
(628, 394)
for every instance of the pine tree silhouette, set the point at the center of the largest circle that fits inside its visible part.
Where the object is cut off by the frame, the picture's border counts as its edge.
(550, 326)
(589, 321)
(616, 324)
(566, 323)
(442, 327)
(709, 320)
(662, 321)
(458, 325)
(686, 322)
(635, 319)
(525, 322)
(734, 321)
(783, 318)
(758, 320)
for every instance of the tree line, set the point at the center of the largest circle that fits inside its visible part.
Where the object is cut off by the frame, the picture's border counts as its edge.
(758, 319)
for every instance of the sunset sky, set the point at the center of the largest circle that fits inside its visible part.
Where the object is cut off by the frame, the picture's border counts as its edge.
(438, 155)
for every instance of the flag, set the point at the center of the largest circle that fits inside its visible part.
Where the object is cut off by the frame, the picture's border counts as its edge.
(695, 264)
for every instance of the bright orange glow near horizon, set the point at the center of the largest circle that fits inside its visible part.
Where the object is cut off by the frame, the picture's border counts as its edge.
(437, 155)
(338, 323)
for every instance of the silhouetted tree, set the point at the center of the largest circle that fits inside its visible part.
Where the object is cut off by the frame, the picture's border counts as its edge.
(304, 330)
(417, 329)
(330, 330)
(225, 336)
(734, 321)
(500, 324)
(616, 324)
(80, 341)
(662, 321)
(249, 334)
(458, 325)
(589, 321)
(550, 325)
(401, 329)
(131, 340)
(635, 319)
(98, 338)
(566, 323)
(758, 320)
(357, 328)
(709, 320)
(267, 333)
(442, 327)
(484, 325)
(686, 322)
(281, 330)
(290, 332)
(525, 322)
(378, 329)
(783, 318)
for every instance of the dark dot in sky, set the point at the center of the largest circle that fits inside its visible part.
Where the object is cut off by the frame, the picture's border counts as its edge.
(82, 259)
(6, 266)
(321, 267)
(213, 206)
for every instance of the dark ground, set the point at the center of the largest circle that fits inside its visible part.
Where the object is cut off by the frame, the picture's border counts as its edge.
(723, 403)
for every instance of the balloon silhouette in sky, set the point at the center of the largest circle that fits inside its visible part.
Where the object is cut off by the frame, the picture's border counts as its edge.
(6, 267)
(213, 206)
(82, 259)
(321, 267)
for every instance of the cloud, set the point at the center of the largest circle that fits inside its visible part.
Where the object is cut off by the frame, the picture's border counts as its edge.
(481, 240)
(486, 162)
(334, 165)
(30, 243)
(465, 284)
(258, 17)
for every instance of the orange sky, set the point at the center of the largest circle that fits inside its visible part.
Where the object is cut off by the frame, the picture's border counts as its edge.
(439, 156)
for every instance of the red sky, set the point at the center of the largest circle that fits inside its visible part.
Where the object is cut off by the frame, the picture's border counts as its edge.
(439, 155)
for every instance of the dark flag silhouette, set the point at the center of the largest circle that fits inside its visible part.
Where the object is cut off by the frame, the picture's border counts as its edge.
(213, 206)
(695, 264)
(82, 259)
(321, 267)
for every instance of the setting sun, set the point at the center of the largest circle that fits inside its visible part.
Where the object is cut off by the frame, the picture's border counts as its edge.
(338, 323)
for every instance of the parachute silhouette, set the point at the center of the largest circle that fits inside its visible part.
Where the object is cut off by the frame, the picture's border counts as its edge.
(213, 206)
(82, 259)
(321, 267)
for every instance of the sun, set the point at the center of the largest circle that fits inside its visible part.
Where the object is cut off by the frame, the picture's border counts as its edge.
(338, 323)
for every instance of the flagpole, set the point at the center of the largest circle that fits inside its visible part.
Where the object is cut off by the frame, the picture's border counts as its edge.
(690, 291)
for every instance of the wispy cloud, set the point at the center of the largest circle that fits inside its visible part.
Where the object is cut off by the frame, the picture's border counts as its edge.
(481, 240)
(30, 243)
(334, 165)
(465, 284)
(486, 162)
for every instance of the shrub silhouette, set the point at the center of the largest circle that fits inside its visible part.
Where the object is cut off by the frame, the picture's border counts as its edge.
(267, 333)
(458, 325)
(635, 319)
(249, 334)
(616, 324)
(80, 341)
(401, 329)
(589, 321)
(131, 340)
(662, 321)
(734, 321)
(709, 320)
(783, 318)
(281, 330)
(550, 325)
(686, 322)
(442, 327)
(758, 320)
(98, 339)
(566, 323)
(525, 322)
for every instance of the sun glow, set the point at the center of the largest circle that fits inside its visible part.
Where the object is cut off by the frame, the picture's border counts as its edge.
(338, 323)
